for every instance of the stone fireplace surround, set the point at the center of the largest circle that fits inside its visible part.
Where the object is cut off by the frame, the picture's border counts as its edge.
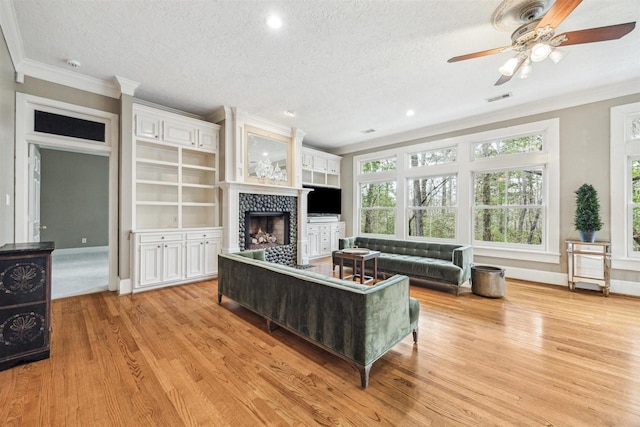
(249, 202)
(238, 197)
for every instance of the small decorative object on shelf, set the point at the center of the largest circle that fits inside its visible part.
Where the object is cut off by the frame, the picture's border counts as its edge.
(587, 217)
(589, 262)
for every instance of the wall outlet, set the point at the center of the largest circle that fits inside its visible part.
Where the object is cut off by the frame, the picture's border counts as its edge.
(7, 200)
(84, 240)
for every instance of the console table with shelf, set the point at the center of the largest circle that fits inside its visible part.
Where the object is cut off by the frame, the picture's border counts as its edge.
(589, 263)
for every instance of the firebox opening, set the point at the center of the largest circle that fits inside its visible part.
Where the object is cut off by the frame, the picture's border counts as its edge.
(266, 229)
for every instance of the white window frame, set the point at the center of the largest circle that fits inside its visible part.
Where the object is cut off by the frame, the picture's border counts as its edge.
(623, 149)
(464, 167)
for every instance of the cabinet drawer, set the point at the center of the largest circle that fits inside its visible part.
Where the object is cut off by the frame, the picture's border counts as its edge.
(590, 248)
(198, 235)
(146, 238)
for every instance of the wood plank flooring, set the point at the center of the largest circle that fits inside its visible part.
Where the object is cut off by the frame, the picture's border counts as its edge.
(174, 357)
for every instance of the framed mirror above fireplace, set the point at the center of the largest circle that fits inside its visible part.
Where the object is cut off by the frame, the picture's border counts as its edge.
(268, 157)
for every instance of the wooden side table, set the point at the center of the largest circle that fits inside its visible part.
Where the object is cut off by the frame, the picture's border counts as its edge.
(358, 257)
(589, 263)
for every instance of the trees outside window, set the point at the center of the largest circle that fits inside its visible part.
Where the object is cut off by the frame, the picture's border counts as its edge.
(432, 207)
(378, 207)
(635, 203)
(509, 206)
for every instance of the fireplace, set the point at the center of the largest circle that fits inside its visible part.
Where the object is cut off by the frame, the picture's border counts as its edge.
(275, 219)
(266, 229)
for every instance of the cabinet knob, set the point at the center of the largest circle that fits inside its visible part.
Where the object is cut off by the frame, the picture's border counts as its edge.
(162, 237)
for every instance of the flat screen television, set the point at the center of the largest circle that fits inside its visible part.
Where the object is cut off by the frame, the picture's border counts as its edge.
(324, 201)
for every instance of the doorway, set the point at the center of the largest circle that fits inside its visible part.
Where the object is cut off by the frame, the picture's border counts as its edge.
(73, 194)
(74, 206)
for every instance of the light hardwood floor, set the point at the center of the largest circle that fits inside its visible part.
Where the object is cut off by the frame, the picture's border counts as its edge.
(172, 357)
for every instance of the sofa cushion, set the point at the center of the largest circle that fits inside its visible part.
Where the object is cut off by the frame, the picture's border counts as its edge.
(441, 251)
(420, 267)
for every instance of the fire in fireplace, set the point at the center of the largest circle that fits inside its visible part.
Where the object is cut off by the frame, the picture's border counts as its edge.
(266, 229)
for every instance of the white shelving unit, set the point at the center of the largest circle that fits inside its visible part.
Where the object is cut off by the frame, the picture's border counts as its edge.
(320, 168)
(175, 198)
(323, 238)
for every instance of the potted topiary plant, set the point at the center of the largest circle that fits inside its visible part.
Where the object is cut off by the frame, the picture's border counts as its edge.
(587, 218)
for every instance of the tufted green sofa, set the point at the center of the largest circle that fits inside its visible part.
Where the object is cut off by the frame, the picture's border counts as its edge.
(356, 322)
(439, 263)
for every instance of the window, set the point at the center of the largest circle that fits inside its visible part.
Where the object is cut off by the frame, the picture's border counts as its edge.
(625, 187)
(432, 207)
(508, 207)
(377, 207)
(433, 157)
(378, 165)
(505, 147)
(635, 205)
(498, 190)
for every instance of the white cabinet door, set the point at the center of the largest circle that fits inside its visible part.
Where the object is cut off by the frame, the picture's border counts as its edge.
(307, 160)
(180, 132)
(211, 251)
(319, 164)
(313, 235)
(172, 261)
(195, 258)
(333, 166)
(208, 139)
(337, 233)
(150, 264)
(148, 126)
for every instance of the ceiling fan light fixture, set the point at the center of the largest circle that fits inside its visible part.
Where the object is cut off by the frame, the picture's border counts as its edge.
(540, 51)
(509, 67)
(526, 69)
(556, 55)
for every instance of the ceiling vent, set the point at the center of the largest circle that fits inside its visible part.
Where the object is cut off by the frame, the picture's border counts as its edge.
(499, 97)
(367, 131)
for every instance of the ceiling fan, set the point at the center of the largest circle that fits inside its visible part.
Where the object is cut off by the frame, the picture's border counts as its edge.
(535, 40)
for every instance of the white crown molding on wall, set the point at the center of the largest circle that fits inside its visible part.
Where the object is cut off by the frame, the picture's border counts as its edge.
(69, 78)
(629, 87)
(127, 87)
(28, 67)
(9, 24)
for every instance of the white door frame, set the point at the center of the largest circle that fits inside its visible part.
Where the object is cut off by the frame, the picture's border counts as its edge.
(25, 135)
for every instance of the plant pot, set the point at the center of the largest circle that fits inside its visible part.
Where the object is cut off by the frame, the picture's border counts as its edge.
(587, 236)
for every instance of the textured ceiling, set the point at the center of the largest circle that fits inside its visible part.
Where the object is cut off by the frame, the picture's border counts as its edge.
(342, 66)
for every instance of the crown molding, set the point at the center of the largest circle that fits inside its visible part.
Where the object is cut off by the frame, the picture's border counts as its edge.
(127, 87)
(68, 78)
(9, 25)
(560, 102)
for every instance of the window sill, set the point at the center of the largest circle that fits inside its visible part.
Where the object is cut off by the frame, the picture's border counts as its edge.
(518, 254)
(631, 264)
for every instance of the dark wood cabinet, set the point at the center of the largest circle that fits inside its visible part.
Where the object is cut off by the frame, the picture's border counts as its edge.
(25, 302)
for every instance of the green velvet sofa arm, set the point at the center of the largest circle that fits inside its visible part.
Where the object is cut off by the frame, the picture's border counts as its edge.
(463, 257)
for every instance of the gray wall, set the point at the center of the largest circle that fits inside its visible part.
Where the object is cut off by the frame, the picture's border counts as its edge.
(584, 157)
(7, 132)
(74, 199)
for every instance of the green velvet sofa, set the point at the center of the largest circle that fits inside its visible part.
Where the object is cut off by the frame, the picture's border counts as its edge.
(428, 262)
(356, 322)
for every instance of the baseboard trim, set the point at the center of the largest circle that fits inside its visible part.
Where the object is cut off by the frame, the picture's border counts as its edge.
(73, 251)
(561, 279)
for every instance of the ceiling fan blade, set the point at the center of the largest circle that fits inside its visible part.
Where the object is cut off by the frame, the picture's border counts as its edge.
(480, 54)
(558, 13)
(612, 32)
(503, 79)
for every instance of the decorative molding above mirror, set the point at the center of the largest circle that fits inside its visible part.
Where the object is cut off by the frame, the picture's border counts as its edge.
(268, 157)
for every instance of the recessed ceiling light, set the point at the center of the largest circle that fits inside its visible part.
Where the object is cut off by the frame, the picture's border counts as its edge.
(73, 63)
(290, 113)
(274, 21)
(410, 113)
